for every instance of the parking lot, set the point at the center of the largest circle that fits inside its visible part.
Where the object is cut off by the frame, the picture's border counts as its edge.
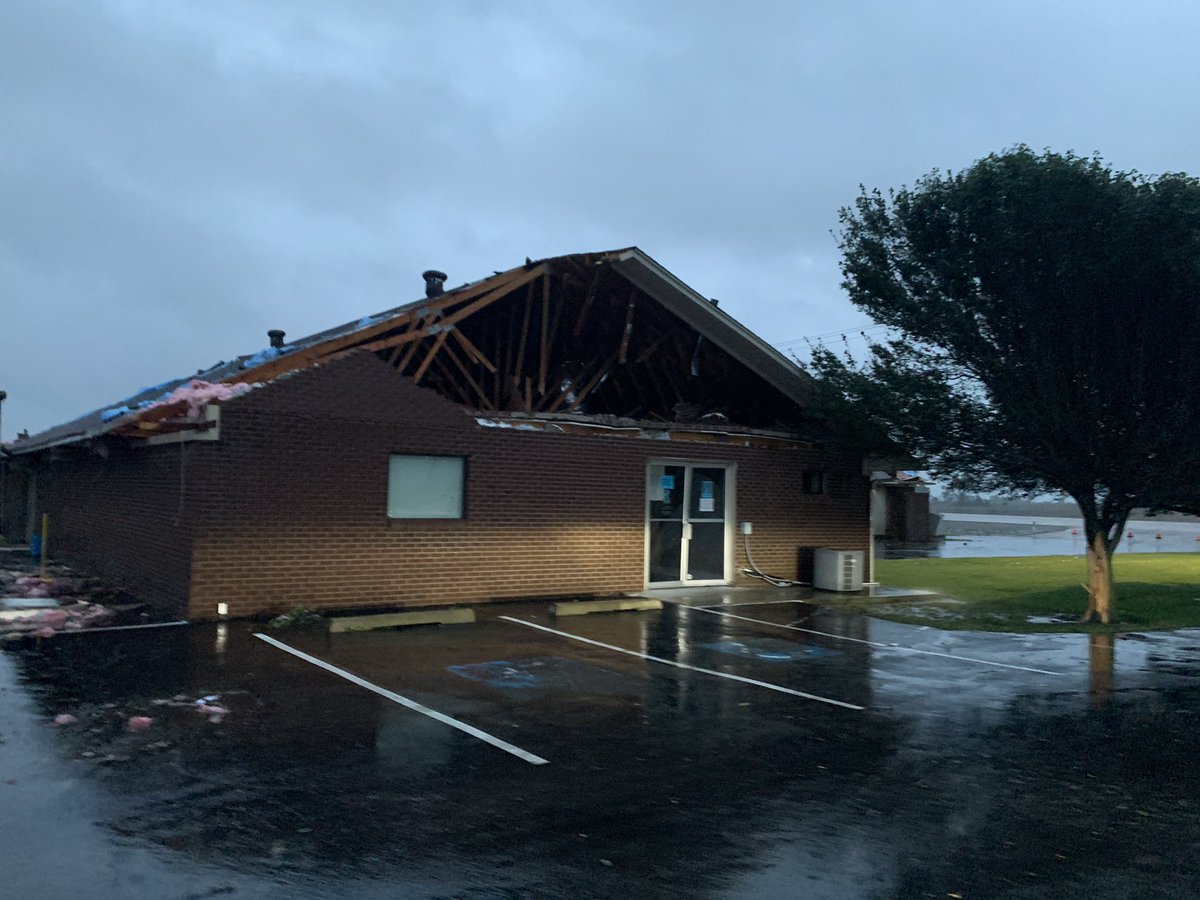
(733, 744)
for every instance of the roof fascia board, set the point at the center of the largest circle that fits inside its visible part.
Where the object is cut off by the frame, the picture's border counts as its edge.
(718, 327)
(73, 438)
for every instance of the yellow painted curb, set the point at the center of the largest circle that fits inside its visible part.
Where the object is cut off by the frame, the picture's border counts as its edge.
(399, 620)
(584, 607)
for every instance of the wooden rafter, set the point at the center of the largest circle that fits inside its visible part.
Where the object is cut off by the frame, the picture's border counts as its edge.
(475, 386)
(408, 355)
(519, 364)
(544, 356)
(593, 384)
(496, 374)
(472, 351)
(588, 300)
(449, 381)
(362, 337)
(458, 315)
(650, 350)
(433, 351)
(627, 331)
(399, 348)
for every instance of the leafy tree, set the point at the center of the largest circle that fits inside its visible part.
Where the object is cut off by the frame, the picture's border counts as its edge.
(1044, 313)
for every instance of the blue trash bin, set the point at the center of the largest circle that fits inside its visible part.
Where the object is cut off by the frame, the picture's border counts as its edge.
(35, 546)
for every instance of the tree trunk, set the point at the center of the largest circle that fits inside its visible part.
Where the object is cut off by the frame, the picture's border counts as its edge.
(1101, 653)
(1100, 580)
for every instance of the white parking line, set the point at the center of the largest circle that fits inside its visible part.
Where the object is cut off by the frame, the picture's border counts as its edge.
(679, 665)
(409, 704)
(842, 637)
(755, 603)
(120, 627)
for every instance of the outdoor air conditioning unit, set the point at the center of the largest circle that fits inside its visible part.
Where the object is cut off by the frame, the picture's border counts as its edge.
(838, 570)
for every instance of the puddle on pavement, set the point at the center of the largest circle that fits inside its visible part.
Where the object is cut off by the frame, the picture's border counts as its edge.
(771, 649)
(1059, 619)
(962, 779)
(548, 673)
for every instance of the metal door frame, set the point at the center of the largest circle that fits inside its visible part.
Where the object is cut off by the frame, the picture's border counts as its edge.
(730, 508)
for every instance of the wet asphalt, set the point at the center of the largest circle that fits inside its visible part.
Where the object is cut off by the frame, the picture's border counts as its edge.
(958, 777)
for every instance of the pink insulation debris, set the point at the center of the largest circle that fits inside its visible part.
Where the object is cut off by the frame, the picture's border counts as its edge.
(139, 723)
(46, 632)
(32, 586)
(214, 712)
(65, 719)
(53, 618)
(197, 394)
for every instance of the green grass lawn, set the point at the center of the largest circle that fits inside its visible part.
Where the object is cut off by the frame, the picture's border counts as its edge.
(1155, 591)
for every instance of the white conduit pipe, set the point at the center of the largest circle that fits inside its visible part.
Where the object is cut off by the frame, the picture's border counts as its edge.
(754, 572)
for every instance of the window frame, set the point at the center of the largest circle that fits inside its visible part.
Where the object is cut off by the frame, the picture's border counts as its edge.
(809, 477)
(464, 466)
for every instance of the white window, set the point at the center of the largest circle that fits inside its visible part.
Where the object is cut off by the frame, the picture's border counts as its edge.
(425, 487)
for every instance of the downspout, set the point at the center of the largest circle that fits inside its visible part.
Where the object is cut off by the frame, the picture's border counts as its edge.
(873, 497)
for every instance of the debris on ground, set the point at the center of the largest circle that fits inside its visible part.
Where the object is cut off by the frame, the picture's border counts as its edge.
(206, 706)
(62, 601)
(139, 723)
(65, 719)
(295, 617)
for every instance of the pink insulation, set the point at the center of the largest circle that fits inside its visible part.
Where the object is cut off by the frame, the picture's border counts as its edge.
(197, 394)
(53, 618)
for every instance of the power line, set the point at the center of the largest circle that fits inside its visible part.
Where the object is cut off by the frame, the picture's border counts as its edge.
(858, 332)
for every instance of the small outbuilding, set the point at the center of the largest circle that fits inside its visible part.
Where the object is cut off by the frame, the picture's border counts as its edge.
(582, 425)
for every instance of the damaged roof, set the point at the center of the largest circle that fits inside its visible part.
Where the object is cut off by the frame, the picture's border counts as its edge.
(518, 369)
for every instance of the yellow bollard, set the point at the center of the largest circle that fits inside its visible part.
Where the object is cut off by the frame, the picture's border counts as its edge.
(45, 545)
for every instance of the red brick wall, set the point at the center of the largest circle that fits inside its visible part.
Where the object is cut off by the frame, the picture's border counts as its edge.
(14, 498)
(121, 518)
(290, 505)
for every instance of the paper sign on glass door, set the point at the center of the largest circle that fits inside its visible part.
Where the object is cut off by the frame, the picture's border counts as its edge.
(706, 497)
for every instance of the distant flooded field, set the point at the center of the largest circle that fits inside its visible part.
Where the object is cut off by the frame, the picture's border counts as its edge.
(970, 534)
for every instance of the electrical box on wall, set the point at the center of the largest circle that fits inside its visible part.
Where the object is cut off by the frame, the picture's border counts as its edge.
(747, 528)
(838, 570)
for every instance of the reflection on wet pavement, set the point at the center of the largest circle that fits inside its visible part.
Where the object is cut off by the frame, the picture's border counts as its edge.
(956, 778)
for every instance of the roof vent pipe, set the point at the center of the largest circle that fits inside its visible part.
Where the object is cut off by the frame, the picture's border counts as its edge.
(276, 337)
(433, 282)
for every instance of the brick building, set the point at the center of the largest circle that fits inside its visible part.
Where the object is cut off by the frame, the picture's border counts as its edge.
(584, 425)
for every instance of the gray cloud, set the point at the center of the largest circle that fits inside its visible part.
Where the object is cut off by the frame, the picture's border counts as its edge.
(176, 178)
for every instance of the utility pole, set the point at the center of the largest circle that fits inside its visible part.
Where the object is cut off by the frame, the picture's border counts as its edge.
(3, 464)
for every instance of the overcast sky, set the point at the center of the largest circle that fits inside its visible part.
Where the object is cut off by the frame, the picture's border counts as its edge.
(178, 177)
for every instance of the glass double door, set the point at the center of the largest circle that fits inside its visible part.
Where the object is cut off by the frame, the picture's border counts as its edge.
(687, 536)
